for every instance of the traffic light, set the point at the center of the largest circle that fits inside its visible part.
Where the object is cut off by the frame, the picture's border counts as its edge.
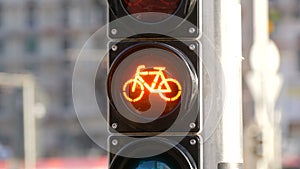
(154, 84)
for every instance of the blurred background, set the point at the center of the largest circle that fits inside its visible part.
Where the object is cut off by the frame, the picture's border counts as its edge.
(37, 43)
(37, 38)
(284, 30)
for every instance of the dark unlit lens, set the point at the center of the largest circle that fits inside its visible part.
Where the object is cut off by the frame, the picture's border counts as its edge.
(152, 165)
(140, 9)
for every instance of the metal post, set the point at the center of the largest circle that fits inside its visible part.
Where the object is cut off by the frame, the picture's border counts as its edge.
(223, 149)
(29, 123)
(264, 84)
(231, 60)
(28, 85)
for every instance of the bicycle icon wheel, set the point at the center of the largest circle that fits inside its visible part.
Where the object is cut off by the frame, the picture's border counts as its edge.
(170, 96)
(135, 94)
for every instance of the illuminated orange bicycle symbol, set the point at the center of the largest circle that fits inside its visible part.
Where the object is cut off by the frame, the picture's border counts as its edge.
(161, 88)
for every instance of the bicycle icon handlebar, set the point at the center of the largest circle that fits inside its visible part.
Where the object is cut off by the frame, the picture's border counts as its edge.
(138, 84)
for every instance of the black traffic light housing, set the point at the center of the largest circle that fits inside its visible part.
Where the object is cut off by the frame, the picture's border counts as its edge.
(154, 84)
(118, 116)
(175, 23)
(178, 155)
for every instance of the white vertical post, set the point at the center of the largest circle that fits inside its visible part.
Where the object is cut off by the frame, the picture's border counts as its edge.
(260, 20)
(26, 82)
(231, 59)
(29, 123)
(222, 41)
(264, 84)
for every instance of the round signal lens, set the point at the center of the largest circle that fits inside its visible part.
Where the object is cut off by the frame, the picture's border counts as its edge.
(157, 153)
(149, 82)
(141, 9)
(152, 164)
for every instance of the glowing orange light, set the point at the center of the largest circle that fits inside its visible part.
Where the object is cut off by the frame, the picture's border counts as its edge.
(138, 83)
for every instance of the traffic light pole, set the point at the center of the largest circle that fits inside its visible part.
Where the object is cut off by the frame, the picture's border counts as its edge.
(222, 28)
(231, 59)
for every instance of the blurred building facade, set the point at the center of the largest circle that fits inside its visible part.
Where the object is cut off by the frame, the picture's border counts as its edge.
(286, 19)
(36, 37)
